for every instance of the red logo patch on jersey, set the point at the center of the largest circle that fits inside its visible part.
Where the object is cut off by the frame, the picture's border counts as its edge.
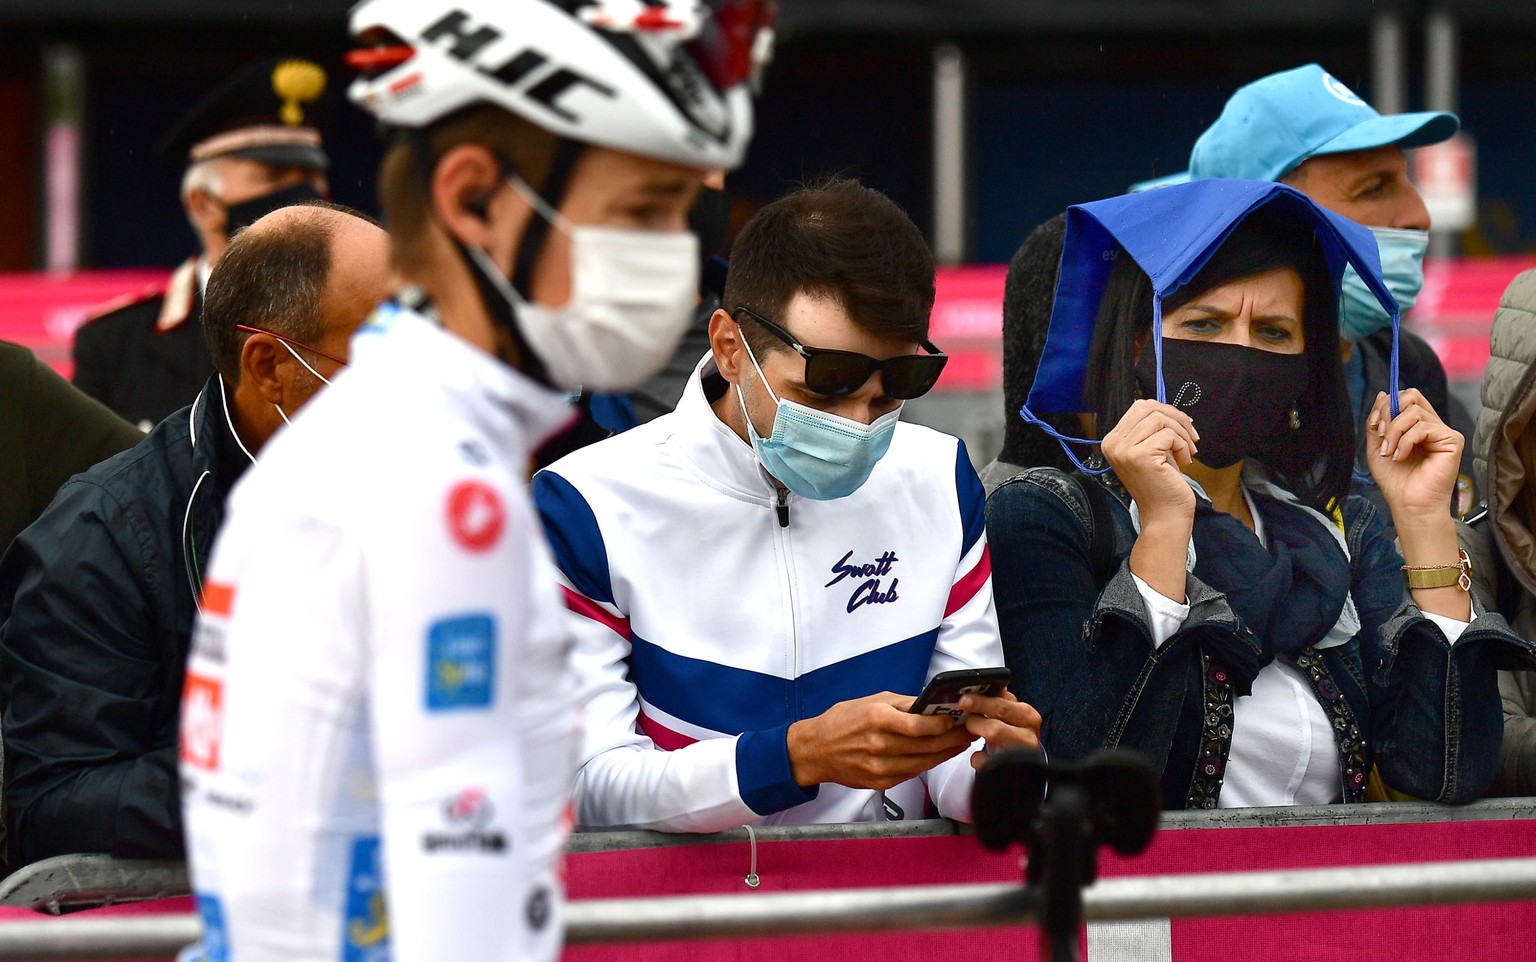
(202, 722)
(475, 515)
(218, 598)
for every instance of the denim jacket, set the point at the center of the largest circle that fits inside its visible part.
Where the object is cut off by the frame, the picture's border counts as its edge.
(1399, 697)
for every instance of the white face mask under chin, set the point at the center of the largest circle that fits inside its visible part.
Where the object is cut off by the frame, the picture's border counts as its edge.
(632, 298)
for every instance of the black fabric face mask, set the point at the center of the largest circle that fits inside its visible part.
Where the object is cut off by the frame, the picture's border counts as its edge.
(1238, 397)
(248, 212)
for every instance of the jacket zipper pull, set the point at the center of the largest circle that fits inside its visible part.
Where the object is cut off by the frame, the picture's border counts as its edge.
(783, 507)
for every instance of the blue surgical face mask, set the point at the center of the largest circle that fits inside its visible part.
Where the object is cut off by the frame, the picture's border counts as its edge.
(1402, 267)
(815, 454)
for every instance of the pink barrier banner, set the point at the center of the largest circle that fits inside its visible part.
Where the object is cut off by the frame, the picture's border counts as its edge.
(1463, 933)
(1447, 934)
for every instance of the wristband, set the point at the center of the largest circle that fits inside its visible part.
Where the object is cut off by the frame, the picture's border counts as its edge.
(1441, 576)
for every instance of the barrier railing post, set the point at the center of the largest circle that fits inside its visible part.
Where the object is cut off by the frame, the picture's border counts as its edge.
(1110, 798)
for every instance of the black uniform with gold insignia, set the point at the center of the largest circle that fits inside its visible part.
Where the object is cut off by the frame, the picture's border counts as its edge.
(146, 356)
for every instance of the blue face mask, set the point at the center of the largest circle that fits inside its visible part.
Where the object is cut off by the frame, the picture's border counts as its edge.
(815, 454)
(1402, 267)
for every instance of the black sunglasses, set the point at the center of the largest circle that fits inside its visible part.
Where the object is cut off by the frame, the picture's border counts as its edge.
(840, 373)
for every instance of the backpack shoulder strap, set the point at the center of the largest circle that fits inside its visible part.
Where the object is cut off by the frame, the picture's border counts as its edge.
(1101, 534)
(1090, 494)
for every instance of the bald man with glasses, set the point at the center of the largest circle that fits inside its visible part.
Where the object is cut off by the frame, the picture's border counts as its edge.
(99, 594)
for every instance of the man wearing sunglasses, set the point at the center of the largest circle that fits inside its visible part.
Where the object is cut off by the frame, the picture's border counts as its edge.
(766, 576)
(99, 593)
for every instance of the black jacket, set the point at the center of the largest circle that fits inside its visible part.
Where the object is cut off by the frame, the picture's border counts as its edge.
(145, 357)
(98, 597)
(48, 431)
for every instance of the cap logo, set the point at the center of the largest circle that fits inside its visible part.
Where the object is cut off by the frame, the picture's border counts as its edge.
(297, 82)
(1333, 86)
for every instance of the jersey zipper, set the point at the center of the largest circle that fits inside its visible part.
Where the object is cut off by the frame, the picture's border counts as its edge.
(787, 584)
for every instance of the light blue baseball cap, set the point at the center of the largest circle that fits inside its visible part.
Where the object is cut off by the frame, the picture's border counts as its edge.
(1276, 122)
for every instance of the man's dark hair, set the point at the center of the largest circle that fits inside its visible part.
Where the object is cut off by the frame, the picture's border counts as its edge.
(1028, 295)
(273, 280)
(839, 240)
(1314, 462)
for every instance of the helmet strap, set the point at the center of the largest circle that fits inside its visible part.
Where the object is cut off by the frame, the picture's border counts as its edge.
(495, 294)
(497, 298)
(553, 192)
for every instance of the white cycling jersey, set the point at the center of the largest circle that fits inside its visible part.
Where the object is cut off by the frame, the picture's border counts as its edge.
(378, 722)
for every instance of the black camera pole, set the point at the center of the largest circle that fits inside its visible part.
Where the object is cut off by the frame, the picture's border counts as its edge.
(1110, 798)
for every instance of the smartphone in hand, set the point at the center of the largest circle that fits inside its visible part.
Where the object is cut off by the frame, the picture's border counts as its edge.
(942, 695)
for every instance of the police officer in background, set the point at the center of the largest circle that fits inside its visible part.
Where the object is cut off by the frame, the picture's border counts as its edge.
(250, 147)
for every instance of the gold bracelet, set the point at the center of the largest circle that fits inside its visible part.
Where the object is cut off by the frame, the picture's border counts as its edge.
(1441, 576)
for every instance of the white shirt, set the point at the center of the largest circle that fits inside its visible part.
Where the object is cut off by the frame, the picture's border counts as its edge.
(1283, 749)
(378, 707)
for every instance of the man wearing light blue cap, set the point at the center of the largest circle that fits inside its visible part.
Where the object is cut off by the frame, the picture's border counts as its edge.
(1305, 128)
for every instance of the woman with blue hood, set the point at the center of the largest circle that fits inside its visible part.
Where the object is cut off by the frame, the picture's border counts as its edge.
(1207, 591)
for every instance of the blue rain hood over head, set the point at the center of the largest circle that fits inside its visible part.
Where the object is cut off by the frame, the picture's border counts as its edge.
(1171, 233)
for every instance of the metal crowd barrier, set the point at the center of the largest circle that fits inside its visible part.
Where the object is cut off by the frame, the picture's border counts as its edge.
(77, 881)
(857, 910)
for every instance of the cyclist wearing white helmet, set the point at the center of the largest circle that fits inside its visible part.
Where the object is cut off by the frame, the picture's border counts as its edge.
(378, 710)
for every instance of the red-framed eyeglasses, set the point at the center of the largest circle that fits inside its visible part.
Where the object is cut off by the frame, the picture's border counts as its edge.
(290, 341)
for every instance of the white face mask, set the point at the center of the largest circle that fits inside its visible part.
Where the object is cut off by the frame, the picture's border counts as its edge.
(632, 299)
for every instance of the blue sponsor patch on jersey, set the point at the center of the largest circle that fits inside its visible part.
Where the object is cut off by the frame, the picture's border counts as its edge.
(461, 663)
(365, 924)
(214, 945)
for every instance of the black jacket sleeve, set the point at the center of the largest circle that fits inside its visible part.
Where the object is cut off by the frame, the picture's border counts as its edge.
(68, 431)
(1435, 716)
(89, 685)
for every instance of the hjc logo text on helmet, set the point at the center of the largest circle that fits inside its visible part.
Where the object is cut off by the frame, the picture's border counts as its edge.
(467, 40)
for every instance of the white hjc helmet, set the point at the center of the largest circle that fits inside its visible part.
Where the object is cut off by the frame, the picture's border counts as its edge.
(667, 79)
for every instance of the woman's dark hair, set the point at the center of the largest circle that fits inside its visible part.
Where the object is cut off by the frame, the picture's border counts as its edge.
(1028, 293)
(1314, 462)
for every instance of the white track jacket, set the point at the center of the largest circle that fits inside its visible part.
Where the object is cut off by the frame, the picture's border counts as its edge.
(710, 617)
(378, 723)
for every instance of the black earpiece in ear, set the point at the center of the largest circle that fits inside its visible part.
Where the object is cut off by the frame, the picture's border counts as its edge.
(478, 206)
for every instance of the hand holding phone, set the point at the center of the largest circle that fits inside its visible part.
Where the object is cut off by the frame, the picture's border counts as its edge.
(943, 692)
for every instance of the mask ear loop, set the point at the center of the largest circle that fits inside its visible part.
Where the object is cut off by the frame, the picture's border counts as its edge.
(1394, 403)
(1066, 440)
(494, 289)
(1397, 321)
(296, 357)
(545, 203)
